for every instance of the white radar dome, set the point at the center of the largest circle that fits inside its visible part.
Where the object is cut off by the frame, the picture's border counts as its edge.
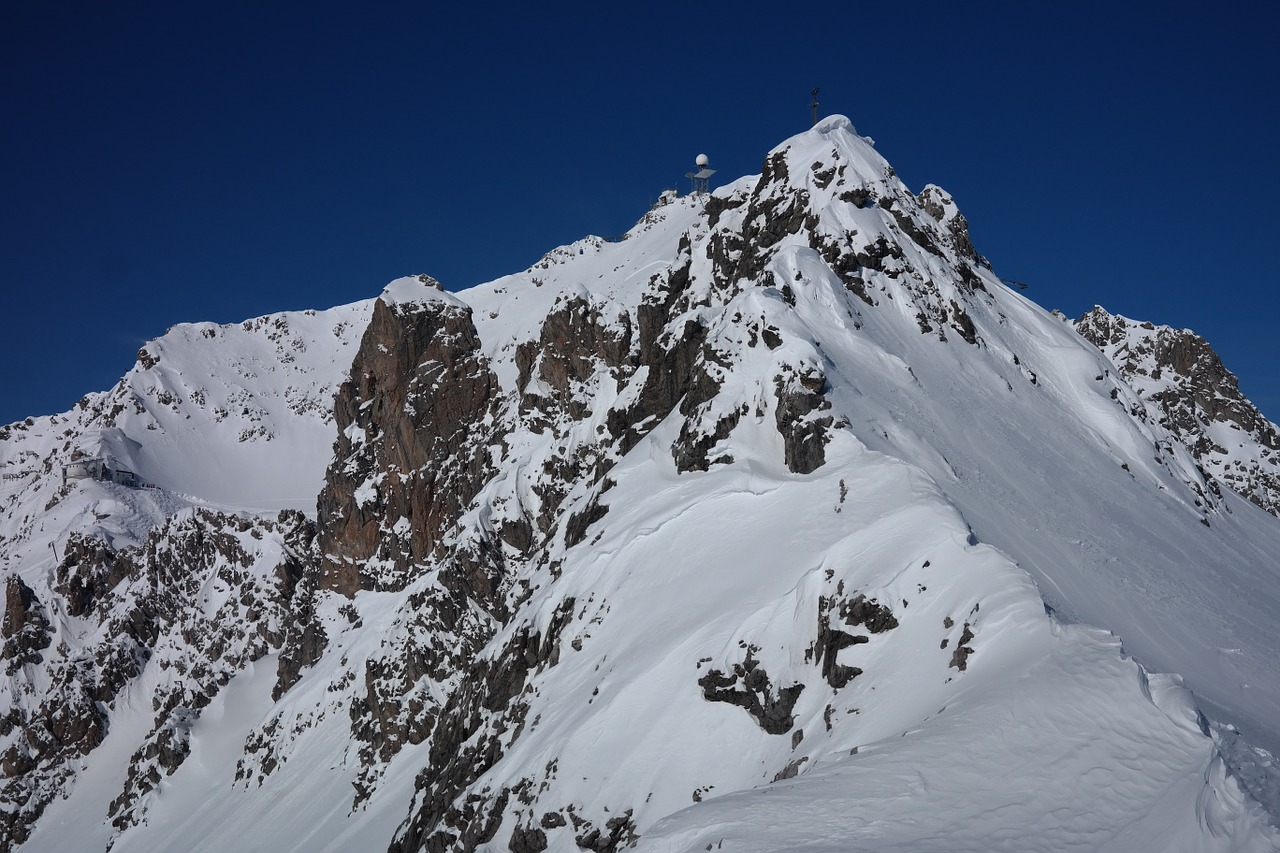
(702, 161)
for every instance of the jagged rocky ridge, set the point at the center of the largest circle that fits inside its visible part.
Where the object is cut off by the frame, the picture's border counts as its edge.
(648, 524)
(205, 595)
(1189, 392)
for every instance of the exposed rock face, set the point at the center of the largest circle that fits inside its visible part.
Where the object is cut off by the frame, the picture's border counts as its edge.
(416, 425)
(666, 347)
(89, 570)
(484, 715)
(195, 559)
(707, 421)
(874, 617)
(748, 686)
(804, 432)
(413, 422)
(1193, 395)
(583, 346)
(575, 341)
(416, 421)
(26, 627)
(775, 209)
(960, 657)
(939, 204)
(205, 595)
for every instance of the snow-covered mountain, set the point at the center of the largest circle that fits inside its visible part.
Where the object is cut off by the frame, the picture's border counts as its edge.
(779, 524)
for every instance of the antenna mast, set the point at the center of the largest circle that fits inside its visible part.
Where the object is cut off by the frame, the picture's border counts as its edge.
(700, 177)
(814, 105)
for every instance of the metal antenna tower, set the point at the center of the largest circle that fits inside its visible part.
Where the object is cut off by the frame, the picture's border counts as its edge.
(700, 177)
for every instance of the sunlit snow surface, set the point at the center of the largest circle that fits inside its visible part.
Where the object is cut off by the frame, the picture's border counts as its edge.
(971, 487)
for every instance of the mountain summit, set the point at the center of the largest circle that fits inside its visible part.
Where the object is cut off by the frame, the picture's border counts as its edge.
(781, 523)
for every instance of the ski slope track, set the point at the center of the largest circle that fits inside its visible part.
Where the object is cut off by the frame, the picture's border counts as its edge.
(779, 523)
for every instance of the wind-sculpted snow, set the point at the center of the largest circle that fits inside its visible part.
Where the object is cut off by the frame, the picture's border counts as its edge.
(1133, 764)
(779, 524)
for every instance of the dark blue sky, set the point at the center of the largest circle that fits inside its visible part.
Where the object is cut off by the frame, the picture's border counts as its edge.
(181, 162)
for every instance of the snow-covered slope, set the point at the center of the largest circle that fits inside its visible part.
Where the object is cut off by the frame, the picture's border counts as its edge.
(240, 415)
(779, 524)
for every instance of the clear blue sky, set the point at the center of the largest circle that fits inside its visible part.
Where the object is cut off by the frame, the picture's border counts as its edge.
(172, 162)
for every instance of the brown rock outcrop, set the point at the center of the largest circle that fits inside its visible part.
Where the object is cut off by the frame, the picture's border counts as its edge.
(411, 444)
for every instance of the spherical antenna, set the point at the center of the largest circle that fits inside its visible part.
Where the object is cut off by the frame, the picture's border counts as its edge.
(700, 177)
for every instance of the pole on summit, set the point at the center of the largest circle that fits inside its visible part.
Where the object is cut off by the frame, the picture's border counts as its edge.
(814, 105)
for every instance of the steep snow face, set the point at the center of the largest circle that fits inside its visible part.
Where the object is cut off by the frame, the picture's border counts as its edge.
(737, 533)
(1189, 392)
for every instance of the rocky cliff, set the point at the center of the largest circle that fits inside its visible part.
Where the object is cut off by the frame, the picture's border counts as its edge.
(1188, 391)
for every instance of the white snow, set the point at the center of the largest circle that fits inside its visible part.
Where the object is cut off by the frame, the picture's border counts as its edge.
(968, 487)
(413, 290)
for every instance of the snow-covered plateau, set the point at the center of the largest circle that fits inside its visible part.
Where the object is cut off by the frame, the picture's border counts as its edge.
(779, 524)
